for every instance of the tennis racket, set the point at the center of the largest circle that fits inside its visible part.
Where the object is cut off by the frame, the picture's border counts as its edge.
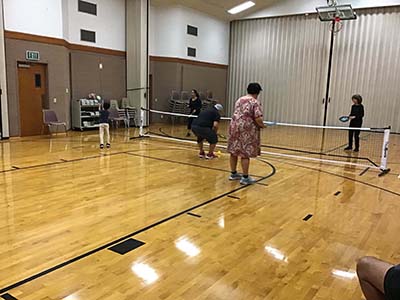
(344, 119)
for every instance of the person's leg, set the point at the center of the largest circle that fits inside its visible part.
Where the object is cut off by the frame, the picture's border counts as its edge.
(233, 163)
(371, 274)
(246, 179)
(245, 166)
(212, 139)
(212, 148)
(189, 126)
(357, 139)
(200, 143)
(101, 133)
(107, 130)
(350, 146)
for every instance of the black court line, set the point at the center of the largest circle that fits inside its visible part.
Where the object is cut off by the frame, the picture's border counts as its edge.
(308, 217)
(365, 171)
(336, 148)
(8, 170)
(62, 161)
(182, 163)
(342, 176)
(193, 215)
(337, 193)
(263, 184)
(276, 147)
(233, 197)
(8, 297)
(130, 235)
(319, 153)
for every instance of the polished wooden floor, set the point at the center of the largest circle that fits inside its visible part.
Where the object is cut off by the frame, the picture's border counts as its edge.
(64, 203)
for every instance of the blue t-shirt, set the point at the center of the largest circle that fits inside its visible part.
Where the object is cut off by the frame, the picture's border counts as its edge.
(104, 114)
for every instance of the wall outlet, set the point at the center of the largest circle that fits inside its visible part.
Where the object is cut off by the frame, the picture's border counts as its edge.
(101, 66)
(66, 90)
(156, 100)
(55, 100)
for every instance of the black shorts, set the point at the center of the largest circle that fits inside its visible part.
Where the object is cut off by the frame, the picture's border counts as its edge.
(392, 283)
(205, 133)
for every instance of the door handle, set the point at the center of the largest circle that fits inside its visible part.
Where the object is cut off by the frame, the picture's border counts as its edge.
(323, 101)
(329, 100)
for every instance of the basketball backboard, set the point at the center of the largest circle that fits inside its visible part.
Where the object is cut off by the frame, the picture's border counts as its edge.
(330, 13)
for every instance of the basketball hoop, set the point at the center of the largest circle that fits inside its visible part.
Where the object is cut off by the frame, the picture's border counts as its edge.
(336, 25)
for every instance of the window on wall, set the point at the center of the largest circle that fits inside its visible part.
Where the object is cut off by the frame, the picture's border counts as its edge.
(38, 81)
(191, 52)
(87, 7)
(191, 30)
(88, 36)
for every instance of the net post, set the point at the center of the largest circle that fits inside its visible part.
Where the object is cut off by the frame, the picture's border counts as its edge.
(385, 152)
(141, 131)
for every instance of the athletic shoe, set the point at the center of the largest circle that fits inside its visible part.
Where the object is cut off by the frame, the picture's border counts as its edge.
(202, 154)
(211, 156)
(108, 146)
(348, 149)
(247, 181)
(356, 150)
(101, 146)
(235, 176)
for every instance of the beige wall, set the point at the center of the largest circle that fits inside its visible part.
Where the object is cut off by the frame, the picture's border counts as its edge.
(110, 81)
(86, 76)
(57, 60)
(181, 76)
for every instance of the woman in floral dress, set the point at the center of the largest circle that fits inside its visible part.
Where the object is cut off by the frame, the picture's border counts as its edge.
(244, 133)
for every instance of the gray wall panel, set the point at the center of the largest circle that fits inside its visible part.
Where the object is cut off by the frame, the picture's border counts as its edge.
(288, 57)
(366, 61)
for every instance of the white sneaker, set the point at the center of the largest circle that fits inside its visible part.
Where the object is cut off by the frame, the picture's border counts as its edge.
(236, 176)
(247, 181)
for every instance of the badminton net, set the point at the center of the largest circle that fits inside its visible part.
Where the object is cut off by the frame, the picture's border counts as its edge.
(298, 141)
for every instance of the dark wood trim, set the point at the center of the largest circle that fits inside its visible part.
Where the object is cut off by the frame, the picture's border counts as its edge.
(187, 62)
(77, 47)
(60, 42)
(34, 38)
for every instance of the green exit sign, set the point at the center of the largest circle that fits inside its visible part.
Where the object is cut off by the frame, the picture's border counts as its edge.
(33, 55)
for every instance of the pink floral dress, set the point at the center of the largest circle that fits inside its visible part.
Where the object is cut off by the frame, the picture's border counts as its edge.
(244, 134)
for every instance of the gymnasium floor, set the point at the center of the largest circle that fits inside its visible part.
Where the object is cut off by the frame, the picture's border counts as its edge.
(66, 202)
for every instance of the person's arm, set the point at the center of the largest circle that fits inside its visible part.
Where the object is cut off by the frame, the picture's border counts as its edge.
(352, 115)
(260, 122)
(258, 115)
(215, 126)
(198, 105)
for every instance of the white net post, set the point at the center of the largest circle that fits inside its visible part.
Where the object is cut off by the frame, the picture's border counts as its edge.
(141, 131)
(385, 150)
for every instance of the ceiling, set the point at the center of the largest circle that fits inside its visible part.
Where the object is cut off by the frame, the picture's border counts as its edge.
(217, 8)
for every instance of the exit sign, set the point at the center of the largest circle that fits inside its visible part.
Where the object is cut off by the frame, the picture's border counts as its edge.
(33, 55)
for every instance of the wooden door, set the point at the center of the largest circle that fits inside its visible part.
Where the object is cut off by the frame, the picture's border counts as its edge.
(32, 97)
